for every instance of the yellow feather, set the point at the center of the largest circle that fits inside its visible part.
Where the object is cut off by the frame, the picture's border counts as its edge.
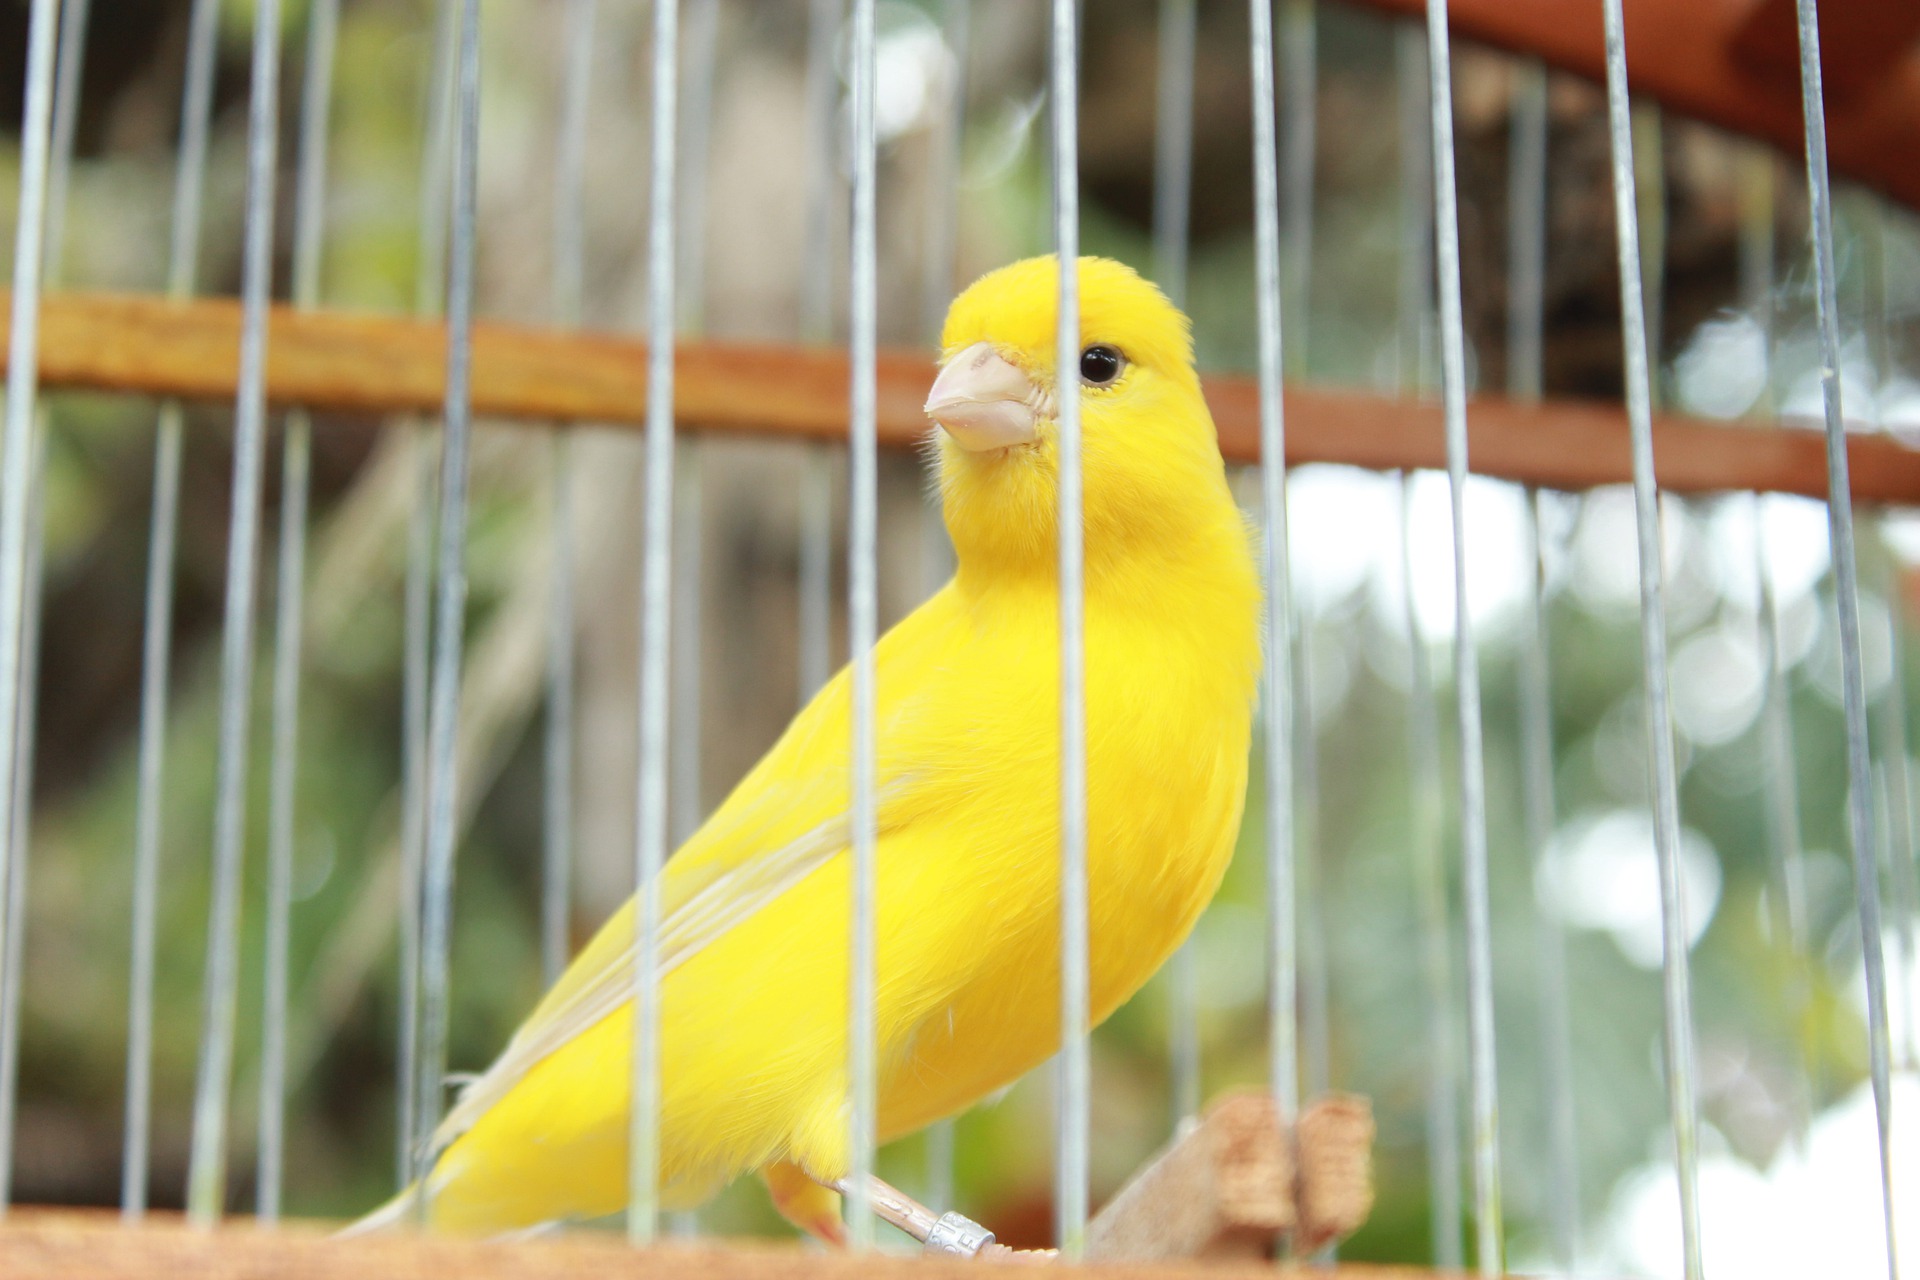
(755, 905)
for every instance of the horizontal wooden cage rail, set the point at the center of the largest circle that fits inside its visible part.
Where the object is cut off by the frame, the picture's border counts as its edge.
(373, 364)
(76, 1245)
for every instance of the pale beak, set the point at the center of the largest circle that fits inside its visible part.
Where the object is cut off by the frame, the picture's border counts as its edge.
(983, 401)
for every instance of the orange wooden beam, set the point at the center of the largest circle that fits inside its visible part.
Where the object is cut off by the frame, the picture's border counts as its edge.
(1735, 63)
(70, 1245)
(382, 365)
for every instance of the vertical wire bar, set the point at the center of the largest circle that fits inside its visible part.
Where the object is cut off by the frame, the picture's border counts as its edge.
(1526, 327)
(569, 291)
(1173, 148)
(450, 598)
(13, 957)
(656, 601)
(1466, 670)
(1527, 231)
(1677, 1012)
(684, 647)
(1316, 1032)
(939, 267)
(862, 622)
(815, 623)
(309, 230)
(1780, 781)
(816, 571)
(1172, 210)
(1897, 766)
(69, 57)
(822, 95)
(417, 613)
(1298, 46)
(1847, 592)
(1072, 1116)
(556, 816)
(1443, 1077)
(1299, 87)
(22, 385)
(943, 179)
(936, 558)
(156, 649)
(1782, 810)
(1893, 702)
(412, 1151)
(1282, 956)
(701, 28)
(207, 1164)
(938, 1159)
(684, 659)
(1650, 191)
(1423, 729)
(271, 1135)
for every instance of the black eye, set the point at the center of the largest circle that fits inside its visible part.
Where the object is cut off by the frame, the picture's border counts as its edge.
(1100, 365)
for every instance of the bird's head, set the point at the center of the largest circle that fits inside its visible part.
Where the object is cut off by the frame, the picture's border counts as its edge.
(1149, 456)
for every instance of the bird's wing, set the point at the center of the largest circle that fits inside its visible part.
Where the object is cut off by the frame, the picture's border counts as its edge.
(787, 818)
(598, 985)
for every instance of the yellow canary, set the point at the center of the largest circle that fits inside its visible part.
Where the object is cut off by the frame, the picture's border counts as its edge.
(755, 906)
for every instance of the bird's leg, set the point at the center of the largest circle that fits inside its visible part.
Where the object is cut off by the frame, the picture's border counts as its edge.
(948, 1233)
(811, 1206)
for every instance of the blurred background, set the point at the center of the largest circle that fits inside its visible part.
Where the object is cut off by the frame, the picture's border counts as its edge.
(1781, 1039)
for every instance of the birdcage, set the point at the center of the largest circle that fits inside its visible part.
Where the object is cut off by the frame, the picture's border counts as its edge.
(1580, 848)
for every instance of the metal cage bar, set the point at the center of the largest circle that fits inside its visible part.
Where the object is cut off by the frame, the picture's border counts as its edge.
(156, 652)
(207, 1174)
(415, 1120)
(1073, 1118)
(568, 306)
(1526, 328)
(1677, 1011)
(656, 602)
(1757, 182)
(69, 59)
(1277, 738)
(1847, 602)
(15, 463)
(1490, 1250)
(450, 597)
(815, 622)
(863, 607)
(1298, 48)
(1415, 340)
(1172, 209)
(941, 269)
(309, 230)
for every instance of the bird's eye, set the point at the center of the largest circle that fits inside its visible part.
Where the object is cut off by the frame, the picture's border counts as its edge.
(1100, 365)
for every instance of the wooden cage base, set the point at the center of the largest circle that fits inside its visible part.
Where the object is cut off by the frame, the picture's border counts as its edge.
(78, 1245)
(1222, 1193)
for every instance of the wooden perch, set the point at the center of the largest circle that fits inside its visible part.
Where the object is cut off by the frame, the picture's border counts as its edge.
(381, 364)
(1238, 1182)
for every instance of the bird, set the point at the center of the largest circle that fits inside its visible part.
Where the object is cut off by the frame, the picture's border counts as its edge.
(753, 952)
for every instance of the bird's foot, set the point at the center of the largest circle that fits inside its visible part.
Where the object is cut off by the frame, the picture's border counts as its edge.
(808, 1205)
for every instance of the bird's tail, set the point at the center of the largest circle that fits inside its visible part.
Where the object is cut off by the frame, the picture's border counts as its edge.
(391, 1216)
